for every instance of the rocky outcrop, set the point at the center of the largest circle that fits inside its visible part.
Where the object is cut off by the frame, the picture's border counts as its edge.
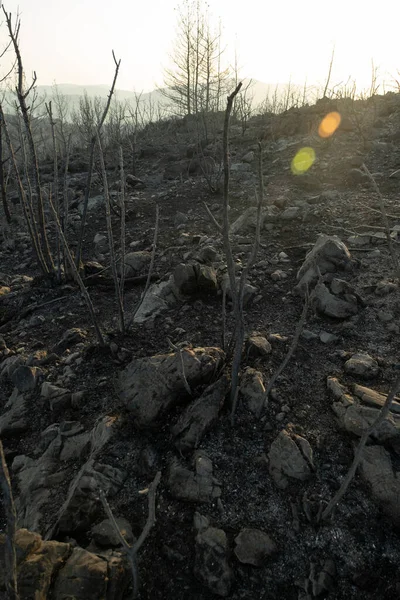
(50, 569)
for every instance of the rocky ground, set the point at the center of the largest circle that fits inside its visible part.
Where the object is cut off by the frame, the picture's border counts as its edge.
(237, 508)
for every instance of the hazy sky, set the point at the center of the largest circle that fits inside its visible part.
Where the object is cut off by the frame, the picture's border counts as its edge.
(70, 41)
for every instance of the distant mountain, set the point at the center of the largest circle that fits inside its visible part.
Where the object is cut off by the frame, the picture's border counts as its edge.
(72, 92)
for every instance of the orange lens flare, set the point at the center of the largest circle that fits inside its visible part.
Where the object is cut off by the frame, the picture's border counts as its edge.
(329, 124)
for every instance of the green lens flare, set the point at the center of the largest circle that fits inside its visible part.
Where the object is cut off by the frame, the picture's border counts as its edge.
(303, 161)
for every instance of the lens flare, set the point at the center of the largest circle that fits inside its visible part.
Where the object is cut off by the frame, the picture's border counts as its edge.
(303, 161)
(329, 124)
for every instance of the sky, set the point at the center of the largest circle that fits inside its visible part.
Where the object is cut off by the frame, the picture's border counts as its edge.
(70, 41)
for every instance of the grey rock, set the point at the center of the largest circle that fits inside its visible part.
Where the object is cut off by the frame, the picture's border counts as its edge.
(356, 418)
(332, 306)
(212, 568)
(376, 468)
(59, 398)
(159, 298)
(248, 157)
(15, 419)
(328, 338)
(180, 219)
(253, 547)
(185, 279)
(257, 345)
(207, 254)
(136, 262)
(290, 457)
(193, 486)
(149, 387)
(362, 365)
(329, 254)
(9, 365)
(206, 279)
(200, 416)
(25, 378)
(83, 503)
(104, 534)
(249, 290)
(252, 389)
(290, 213)
(70, 338)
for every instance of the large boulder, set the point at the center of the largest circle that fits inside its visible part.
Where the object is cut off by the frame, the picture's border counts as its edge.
(149, 387)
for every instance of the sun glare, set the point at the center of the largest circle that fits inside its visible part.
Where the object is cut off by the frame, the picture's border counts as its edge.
(329, 124)
(303, 161)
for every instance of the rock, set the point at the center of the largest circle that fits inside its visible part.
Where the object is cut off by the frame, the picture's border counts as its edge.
(376, 468)
(200, 416)
(252, 389)
(84, 577)
(149, 387)
(136, 262)
(290, 457)
(328, 338)
(82, 504)
(25, 378)
(375, 399)
(15, 419)
(357, 176)
(180, 219)
(329, 253)
(9, 365)
(101, 243)
(70, 338)
(290, 213)
(253, 547)
(104, 534)
(207, 279)
(59, 398)
(362, 365)
(249, 290)
(384, 288)
(248, 157)
(278, 275)
(95, 203)
(248, 219)
(190, 279)
(38, 563)
(185, 279)
(211, 561)
(207, 254)
(257, 345)
(332, 306)
(39, 479)
(385, 316)
(198, 486)
(159, 298)
(356, 417)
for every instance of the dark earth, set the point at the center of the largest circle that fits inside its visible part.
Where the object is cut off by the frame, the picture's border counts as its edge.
(359, 545)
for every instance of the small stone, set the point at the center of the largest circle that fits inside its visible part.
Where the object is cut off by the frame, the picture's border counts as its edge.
(104, 533)
(385, 316)
(258, 345)
(253, 547)
(328, 338)
(278, 275)
(362, 365)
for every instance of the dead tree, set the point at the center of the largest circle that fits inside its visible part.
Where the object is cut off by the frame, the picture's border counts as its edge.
(22, 96)
(91, 161)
